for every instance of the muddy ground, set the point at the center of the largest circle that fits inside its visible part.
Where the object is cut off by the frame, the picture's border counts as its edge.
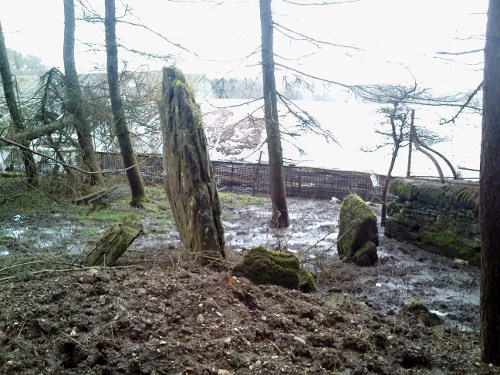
(157, 313)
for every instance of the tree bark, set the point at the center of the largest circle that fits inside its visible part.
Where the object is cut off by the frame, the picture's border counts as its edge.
(15, 112)
(397, 138)
(126, 149)
(75, 102)
(490, 192)
(383, 215)
(276, 171)
(189, 178)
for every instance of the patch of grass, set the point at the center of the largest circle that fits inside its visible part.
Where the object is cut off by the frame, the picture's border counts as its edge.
(110, 215)
(17, 198)
(231, 201)
(234, 201)
(337, 301)
(236, 359)
(439, 334)
(6, 238)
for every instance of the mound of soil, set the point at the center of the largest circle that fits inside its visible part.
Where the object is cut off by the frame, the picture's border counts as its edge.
(145, 317)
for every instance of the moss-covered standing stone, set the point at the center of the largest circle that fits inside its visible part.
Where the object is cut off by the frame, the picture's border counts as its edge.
(263, 266)
(358, 233)
(189, 178)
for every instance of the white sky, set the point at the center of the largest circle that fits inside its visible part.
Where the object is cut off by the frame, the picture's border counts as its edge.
(393, 37)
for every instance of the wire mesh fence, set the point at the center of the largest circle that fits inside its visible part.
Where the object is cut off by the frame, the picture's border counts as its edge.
(254, 178)
(251, 178)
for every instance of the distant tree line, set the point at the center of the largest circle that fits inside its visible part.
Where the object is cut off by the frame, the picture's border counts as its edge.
(25, 64)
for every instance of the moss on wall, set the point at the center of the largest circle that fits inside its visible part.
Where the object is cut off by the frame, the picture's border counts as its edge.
(441, 218)
(402, 188)
(448, 243)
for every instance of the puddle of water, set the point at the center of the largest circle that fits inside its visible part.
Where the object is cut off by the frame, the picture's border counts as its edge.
(38, 239)
(14, 233)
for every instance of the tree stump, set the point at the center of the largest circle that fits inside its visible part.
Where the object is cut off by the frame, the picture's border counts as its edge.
(111, 245)
(189, 178)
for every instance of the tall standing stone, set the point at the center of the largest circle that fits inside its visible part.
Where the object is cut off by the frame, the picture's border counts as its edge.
(189, 178)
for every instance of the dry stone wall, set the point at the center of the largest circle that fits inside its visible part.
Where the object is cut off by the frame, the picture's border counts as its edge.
(442, 218)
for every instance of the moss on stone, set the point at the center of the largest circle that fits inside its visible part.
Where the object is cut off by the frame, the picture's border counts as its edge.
(306, 281)
(430, 193)
(263, 266)
(403, 188)
(357, 227)
(448, 243)
(404, 220)
(366, 255)
(353, 212)
(463, 197)
(441, 218)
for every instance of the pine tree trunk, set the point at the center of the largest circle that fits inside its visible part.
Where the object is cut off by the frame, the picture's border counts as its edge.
(15, 112)
(127, 151)
(75, 102)
(383, 215)
(276, 170)
(490, 192)
(189, 177)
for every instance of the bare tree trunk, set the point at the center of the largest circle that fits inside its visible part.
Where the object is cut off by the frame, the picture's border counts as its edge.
(127, 151)
(75, 103)
(410, 143)
(383, 215)
(489, 214)
(15, 112)
(276, 170)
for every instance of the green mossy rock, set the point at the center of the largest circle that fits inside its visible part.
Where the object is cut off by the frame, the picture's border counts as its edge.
(263, 266)
(358, 233)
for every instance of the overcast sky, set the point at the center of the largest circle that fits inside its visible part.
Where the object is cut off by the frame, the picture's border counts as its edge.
(390, 37)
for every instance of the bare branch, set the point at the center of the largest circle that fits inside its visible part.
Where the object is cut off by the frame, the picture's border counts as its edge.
(321, 3)
(147, 54)
(460, 62)
(161, 36)
(11, 142)
(306, 121)
(460, 53)
(350, 87)
(299, 36)
(238, 105)
(464, 105)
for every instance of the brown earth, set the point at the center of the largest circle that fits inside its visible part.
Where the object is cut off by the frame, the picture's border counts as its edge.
(155, 313)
